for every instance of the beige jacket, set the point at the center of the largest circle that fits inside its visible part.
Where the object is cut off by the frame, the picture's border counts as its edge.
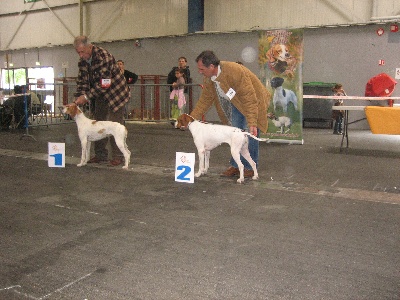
(251, 99)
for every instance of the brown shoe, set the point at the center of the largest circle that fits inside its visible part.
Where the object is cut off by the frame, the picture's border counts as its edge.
(96, 160)
(116, 162)
(230, 172)
(248, 173)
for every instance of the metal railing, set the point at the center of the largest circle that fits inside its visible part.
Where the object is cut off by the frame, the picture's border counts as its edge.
(149, 101)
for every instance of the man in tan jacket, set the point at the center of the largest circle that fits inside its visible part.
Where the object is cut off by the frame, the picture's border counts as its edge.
(240, 98)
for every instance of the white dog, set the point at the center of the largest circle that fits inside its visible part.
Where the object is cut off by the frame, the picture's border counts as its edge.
(209, 136)
(282, 97)
(91, 130)
(281, 122)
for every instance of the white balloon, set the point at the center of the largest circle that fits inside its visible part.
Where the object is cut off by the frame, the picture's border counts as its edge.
(249, 54)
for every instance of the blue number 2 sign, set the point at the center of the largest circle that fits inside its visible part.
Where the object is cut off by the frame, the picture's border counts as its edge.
(184, 167)
(185, 171)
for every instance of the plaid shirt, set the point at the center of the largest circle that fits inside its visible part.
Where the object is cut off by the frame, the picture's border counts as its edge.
(102, 66)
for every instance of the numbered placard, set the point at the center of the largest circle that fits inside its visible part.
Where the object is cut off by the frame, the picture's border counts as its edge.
(56, 157)
(184, 167)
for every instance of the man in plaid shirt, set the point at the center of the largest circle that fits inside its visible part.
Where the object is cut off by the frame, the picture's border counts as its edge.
(101, 83)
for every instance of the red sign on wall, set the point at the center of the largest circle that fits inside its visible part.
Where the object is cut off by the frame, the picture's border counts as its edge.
(380, 31)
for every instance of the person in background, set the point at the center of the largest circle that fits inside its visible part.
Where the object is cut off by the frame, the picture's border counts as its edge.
(1, 96)
(101, 81)
(34, 98)
(182, 64)
(36, 104)
(18, 89)
(130, 77)
(177, 96)
(337, 115)
(240, 98)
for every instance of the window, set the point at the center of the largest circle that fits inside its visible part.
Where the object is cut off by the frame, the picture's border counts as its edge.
(40, 76)
(12, 77)
(37, 76)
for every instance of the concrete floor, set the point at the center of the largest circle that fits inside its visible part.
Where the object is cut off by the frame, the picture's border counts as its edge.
(319, 224)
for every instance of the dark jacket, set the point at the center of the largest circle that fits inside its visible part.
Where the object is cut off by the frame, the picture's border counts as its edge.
(171, 77)
(130, 77)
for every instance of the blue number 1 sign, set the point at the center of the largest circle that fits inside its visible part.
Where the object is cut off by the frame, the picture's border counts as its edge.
(56, 155)
(184, 167)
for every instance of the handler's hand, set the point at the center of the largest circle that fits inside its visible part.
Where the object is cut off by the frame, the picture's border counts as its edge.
(80, 100)
(253, 130)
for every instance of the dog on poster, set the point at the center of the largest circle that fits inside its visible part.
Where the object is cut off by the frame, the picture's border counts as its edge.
(282, 97)
(283, 123)
(280, 60)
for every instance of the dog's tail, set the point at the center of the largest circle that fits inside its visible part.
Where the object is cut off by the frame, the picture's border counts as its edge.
(254, 137)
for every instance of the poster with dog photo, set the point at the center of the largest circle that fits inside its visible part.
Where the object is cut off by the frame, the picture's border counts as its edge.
(280, 59)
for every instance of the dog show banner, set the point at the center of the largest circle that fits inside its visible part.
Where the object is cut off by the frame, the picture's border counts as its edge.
(281, 59)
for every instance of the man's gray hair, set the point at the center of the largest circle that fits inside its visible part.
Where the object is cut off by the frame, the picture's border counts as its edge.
(81, 40)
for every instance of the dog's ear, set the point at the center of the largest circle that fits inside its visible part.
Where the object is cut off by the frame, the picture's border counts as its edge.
(73, 110)
(77, 110)
(188, 119)
(270, 55)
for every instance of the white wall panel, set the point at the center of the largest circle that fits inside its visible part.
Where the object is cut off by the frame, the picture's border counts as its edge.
(136, 19)
(12, 6)
(228, 15)
(103, 20)
(33, 30)
(55, 22)
(386, 8)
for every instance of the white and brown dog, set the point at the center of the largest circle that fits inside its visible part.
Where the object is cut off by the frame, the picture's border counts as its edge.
(280, 60)
(209, 136)
(92, 130)
(280, 122)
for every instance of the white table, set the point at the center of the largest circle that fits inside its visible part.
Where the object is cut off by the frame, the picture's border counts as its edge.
(346, 109)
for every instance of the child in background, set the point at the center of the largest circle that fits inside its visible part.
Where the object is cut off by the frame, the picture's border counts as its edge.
(177, 96)
(337, 115)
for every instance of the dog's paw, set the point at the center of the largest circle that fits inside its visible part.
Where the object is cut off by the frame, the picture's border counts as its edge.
(240, 180)
(125, 167)
(255, 177)
(198, 174)
(80, 165)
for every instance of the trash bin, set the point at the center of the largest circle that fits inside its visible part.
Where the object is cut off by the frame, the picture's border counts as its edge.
(317, 113)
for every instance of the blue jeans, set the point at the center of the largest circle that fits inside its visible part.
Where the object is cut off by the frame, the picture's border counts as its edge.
(338, 124)
(239, 120)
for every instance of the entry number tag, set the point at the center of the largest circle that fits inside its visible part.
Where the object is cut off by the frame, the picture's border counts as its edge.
(231, 93)
(184, 167)
(105, 83)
